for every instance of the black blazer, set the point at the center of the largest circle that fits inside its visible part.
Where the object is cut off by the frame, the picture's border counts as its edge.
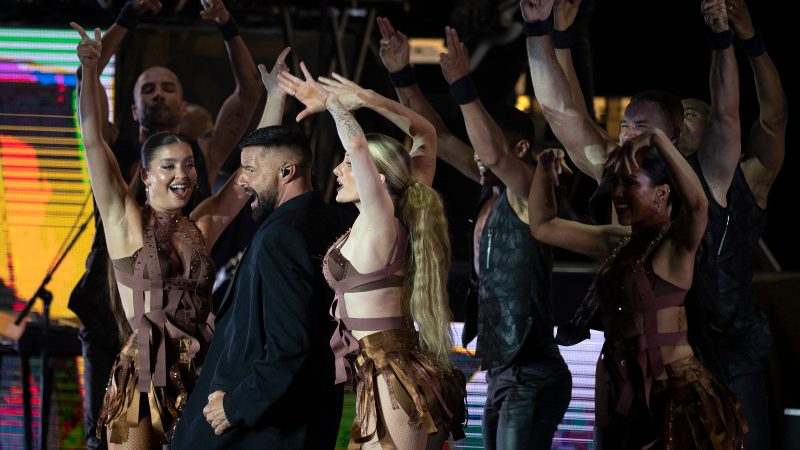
(271, 351)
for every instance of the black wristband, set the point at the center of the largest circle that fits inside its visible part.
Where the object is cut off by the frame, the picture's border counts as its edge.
(464, 90)
(127, 17)
(229, 29)
(565, 38)
(753, 47)
(404, 77)
(721, 40)
(538, 28)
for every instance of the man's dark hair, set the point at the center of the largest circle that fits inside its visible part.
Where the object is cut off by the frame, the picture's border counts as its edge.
(516, 126)
(289, 139)
(670, 104)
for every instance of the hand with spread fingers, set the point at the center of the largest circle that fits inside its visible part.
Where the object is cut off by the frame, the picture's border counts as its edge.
(270, 78)
(395, 50)
(215, 10)
(308, 91)
(553, 161)
(454, 63)
(350, 94)
(88, 50)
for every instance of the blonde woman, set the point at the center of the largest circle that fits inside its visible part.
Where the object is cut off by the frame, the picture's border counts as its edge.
(389, 271)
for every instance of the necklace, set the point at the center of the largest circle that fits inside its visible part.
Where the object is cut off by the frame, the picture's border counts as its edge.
(637, 262)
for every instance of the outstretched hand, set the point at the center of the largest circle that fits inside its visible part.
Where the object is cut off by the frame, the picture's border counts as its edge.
(270, 78)
(215, 10)
(307, 91)
(454, 63)
(564, 13)
(715, 14)
(395, 50)
(536, 10)
(348, 92)
(553, 162)
(88, 50)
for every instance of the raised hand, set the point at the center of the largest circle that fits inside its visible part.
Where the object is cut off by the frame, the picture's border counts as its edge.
(536, 10)
(307, 91)
(215, 10)
(715, 14)
(88, 50)
(454, 63)
(144, 6)
(564, 13)
(739, 16)
(270, 78)
(552, 161)
(394, 50)
(349, 93)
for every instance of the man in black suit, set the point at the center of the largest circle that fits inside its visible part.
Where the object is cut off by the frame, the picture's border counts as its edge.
(268, 378)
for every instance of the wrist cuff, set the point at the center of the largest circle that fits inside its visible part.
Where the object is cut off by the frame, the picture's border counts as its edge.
(564, 39)
(127, 18)
(753, 47)
(229, 29)
(404, 77)
(720, 41)
(464, 90)
(538, 28)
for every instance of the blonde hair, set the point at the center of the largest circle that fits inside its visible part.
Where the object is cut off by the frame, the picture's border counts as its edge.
(421, 210)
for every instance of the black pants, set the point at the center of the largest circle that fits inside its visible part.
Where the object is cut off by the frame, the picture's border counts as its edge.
(98, 358)
(750, 389)
(525, 404)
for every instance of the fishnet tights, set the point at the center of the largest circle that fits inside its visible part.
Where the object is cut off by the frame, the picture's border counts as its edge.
(139, 438)
(404, 436)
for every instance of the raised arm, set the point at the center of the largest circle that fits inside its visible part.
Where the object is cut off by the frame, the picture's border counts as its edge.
(765, 146)
(276, 97)
(485, 135)
(422, 133)
(586, 146)
(687, 230)
(546, 227)
(117, 206)
(721, 143)
(215, 213)
(375, 204)
(394, 54)
(126, 21)
(237, 110)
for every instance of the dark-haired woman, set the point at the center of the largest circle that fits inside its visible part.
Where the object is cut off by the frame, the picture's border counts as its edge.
(163, 270)
(654, 393)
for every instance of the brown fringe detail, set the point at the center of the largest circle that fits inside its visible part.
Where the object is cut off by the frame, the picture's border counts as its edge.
(417, 384)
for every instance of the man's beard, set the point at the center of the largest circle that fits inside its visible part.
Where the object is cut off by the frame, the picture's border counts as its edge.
(265, 206)
(160, 120)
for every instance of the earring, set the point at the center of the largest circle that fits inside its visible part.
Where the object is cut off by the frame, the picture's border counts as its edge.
(147, 189)
(658, 207)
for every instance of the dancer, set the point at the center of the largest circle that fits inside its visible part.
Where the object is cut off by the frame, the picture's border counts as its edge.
(388, 272)
(162, 266)
(658, 395)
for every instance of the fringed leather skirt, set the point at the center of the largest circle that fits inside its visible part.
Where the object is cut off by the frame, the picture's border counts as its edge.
(688, 410)
(432, 396)
(122, 405)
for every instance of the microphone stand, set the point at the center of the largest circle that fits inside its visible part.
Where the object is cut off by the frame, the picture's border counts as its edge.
(45, 382)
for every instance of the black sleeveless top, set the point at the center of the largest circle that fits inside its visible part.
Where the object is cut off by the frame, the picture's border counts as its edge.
(515, 313)
(733, 319)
